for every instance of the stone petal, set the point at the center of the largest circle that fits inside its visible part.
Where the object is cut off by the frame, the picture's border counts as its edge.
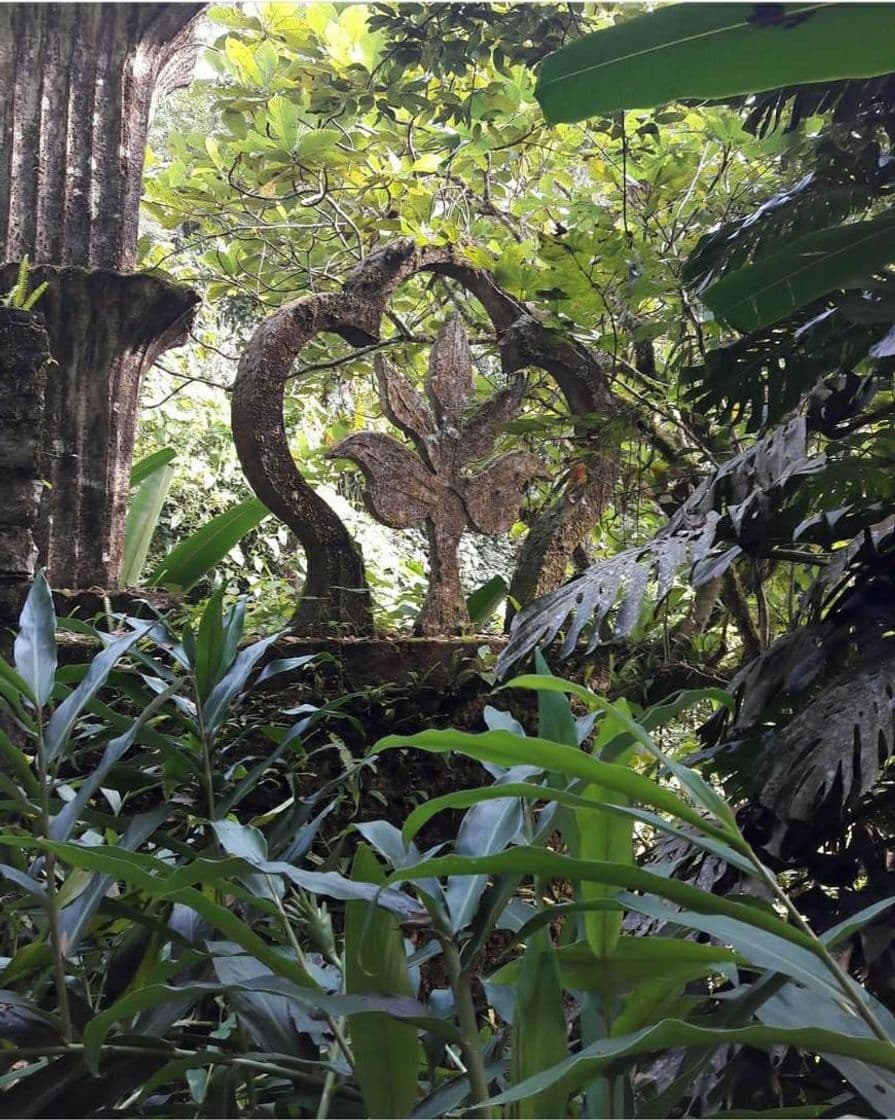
(479, 433)
(400, 490)
(402, 404)
(492, 496)
(449, 380)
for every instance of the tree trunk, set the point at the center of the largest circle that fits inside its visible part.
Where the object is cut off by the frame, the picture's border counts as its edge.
(77, 83)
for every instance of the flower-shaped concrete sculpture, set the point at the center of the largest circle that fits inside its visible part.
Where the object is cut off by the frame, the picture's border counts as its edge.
(405, 489)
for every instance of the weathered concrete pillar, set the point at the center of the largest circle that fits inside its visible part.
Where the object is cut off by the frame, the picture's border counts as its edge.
(24, 358)
(77, 84)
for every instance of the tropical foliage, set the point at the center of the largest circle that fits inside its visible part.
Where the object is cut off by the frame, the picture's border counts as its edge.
(660, 887)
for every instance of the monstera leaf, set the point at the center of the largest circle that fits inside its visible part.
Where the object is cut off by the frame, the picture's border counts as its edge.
(729, 511)
(834, 747)
(813, 723)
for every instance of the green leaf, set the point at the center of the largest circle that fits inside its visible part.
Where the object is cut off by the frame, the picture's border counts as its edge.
(555, 719)
(63, 719)
(806, 269)
(694, 783)
(605, 836)
(540, 1031)
(193, 558)
(384, 1049)
(143, 512)
(14, 687)
(506, 749)
(242, 59)
(703, 51)
(843, 930)
(489, 826)
(485, 600)
(634, 960)
(225, 690)
(334, 885)
(150, 464)
(210, 646)
(661, 714)
(34, 650)
(594, 1060)
(539, 861)
(463, 798)
(313, 146)
(764, 948)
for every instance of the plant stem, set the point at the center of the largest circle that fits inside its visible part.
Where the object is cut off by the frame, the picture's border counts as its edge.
(206, 755)
(334, 1024)
(212, 1057)
(469, 1029)
(52, 897)
(326, 1096)
(845, 982)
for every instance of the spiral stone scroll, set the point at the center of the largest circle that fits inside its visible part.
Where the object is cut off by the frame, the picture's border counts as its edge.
(336, 595)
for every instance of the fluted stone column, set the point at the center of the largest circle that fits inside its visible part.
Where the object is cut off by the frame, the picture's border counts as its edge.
(77, 85)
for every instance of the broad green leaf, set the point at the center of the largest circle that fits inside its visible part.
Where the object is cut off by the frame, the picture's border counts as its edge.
(14, 687)
(272, 1020)
(314, 146)
(485, 600)
(243, 60)
(806, 269)
(661, 714)
(507, 749)
(334, 885)
(555, 719)
(152, 478)
(701, 51)
(592, 1061)
(34, 650)
(540, 1031)
(605, 836)
(539, 861)
(225, 691)
(843, 930)
(192, 559)
(384, 1049)
(283, 117)
(792, 1006)
(149, 464)
(764, 948)
(694, 783)
(64, 718)
(210, 646)
(489, 826)
(634, 960)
